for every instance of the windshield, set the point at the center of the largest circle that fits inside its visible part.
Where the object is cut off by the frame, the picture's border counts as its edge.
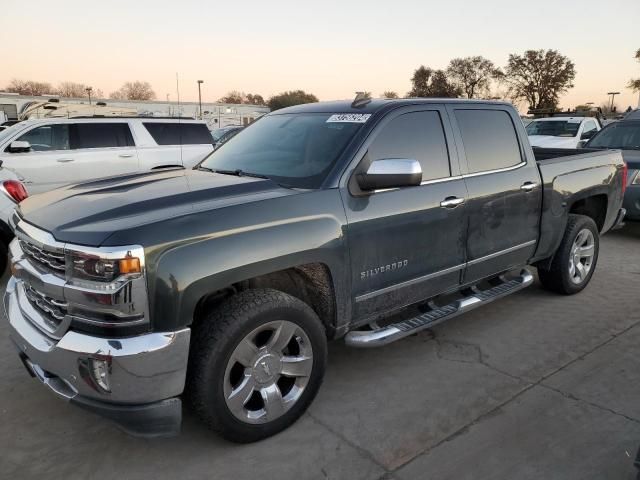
(220, 132)
(622, 135)
(555, 128)
(296, 150)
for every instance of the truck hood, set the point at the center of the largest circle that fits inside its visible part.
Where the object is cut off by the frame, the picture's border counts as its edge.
(549, 141)
(88, 213)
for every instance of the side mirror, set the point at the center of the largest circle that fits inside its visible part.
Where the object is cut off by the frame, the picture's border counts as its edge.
(391, 173)
(588, 135)
(19, 147)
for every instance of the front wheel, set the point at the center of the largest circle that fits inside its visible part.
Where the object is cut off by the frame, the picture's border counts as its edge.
(257, 362)
(575, 260)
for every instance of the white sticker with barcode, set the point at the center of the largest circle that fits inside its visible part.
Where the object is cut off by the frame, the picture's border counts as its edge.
(349, 118)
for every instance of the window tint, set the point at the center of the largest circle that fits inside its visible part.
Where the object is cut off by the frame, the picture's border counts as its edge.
(101, 135)
(179, 133)
(47, 137)
(489, 139)
(419, 136)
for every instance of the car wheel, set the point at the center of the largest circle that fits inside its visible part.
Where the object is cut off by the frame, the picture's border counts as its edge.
(575, 260)
(257, 361)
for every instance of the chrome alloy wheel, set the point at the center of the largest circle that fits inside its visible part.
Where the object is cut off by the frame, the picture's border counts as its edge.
(582, 253)
(268, 372)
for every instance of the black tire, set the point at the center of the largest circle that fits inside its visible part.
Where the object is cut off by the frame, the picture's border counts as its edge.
(557, 278)
(4, 257)
(214, 340)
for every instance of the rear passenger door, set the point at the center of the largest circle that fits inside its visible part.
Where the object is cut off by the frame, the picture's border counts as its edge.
(504, 190)
(406, 245)
(174, 143)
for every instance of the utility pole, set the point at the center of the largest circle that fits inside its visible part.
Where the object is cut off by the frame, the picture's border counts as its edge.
(200, 82)
(613, 95)
(89, 90)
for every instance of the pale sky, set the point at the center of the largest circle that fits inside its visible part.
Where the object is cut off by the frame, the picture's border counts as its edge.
(330, 48)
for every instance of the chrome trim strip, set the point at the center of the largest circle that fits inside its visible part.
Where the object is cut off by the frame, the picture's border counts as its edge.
(502, 252)
(498, 170)
(413, 281)
(441, 180)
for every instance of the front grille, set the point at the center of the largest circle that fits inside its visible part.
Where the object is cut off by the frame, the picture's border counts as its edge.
(54, 310)
(49, 259)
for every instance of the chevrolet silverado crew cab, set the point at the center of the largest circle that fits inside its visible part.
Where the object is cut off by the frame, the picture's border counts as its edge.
(51, 152)
(221, 285)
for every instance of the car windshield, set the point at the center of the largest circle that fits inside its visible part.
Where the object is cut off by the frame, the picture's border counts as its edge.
(295, 150)
(622, 135)
(555, 128)
(220, 132)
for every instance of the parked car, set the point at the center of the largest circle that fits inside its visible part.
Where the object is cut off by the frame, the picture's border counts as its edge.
(368, 221)
(561, 132)
(224, 134)
(625, 136)
(49, 153)
(12, 192)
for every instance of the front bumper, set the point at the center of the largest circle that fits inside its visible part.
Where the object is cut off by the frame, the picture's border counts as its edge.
(144, 374)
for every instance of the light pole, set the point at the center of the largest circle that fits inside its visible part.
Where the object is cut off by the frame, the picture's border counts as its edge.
(613, 95)
(200, 82)
(89, 90)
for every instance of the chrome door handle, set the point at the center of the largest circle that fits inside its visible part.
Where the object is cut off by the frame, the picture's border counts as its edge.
(126, 155)
(528, 186)
(65, 160)
(451, 202)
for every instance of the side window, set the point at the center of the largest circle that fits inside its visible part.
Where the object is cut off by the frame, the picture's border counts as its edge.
(419, 136)
(589, 125)
(179, 133)
(47, 137)
(489, 138)
(101, 135)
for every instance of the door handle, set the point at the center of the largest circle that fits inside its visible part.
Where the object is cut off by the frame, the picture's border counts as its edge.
(451, 202)
(528, 186)
(65, 160)
(126, 155)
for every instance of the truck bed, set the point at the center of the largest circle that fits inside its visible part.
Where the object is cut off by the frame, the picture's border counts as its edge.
(544, 154)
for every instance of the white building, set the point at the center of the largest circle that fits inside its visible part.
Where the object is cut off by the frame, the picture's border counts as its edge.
(215, 114)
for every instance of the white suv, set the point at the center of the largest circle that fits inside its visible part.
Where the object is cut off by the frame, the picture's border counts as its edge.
(50, 153)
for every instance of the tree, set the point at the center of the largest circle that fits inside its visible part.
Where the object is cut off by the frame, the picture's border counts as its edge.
(539, 77)
(134, 91)
(473, 75)
(634, 83)
(290, 98)
(432, 83)
(29, 87)
(390, 94)
(254, 99)
(234, 96)
(76, 90)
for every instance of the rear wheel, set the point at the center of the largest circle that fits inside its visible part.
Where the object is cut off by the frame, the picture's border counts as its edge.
(576, 258)
(257, 362)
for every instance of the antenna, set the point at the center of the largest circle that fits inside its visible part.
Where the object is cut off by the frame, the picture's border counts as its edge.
(179, 117)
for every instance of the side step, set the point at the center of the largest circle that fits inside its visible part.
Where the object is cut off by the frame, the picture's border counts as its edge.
(390, 333)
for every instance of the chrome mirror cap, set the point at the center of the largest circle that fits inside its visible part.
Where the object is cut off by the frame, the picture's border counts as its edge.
(391, 173)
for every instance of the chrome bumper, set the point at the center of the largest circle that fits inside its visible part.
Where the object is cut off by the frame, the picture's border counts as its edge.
(141, 370)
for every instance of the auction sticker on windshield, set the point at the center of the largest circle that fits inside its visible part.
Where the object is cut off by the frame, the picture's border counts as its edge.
(348, 118)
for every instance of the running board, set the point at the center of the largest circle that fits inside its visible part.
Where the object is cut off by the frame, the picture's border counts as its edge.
(384, 335)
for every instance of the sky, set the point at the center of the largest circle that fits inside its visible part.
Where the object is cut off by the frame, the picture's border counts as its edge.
(329, 48)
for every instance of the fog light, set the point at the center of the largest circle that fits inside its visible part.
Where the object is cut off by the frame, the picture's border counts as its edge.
(101, 372)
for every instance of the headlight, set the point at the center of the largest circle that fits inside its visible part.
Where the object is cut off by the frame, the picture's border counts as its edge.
(103, 269)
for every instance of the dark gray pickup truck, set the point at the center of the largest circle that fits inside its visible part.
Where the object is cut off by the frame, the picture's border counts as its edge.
(367, 221)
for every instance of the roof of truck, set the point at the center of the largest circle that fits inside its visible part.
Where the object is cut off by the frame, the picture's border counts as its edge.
(345, 106)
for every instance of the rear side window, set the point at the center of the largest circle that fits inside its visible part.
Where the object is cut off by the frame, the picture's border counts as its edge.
(179, 133)
(101, 135)
(489, 138)
(418, 136)
(47, 137)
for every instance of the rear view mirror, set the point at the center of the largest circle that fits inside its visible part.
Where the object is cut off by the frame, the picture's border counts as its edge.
(391, 173)
(19, 147)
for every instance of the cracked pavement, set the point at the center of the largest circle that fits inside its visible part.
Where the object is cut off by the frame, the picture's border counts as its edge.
(535, 385)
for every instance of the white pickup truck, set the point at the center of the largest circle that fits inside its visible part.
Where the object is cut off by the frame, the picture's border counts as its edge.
(49, 153)
(561, 131)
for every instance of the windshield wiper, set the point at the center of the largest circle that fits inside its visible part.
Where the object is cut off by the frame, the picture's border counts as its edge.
(204, 169)
(238, 173)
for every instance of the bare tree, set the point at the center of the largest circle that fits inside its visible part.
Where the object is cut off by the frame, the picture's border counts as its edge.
(234, 96)
(473, 75)
(634, 83)
(389, 94)
(254, 99)
(29, 87)
(432, 83)
(539, 77)
(134, 91)
(76, 90)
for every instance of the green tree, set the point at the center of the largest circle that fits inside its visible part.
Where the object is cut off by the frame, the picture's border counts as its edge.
(134, 91)
(473, 75)
(634, 83)
(539, 77)
(389, 94)
(428, 82)
(29, 87)
(254, 99)
(234, 96)
(290, 98)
